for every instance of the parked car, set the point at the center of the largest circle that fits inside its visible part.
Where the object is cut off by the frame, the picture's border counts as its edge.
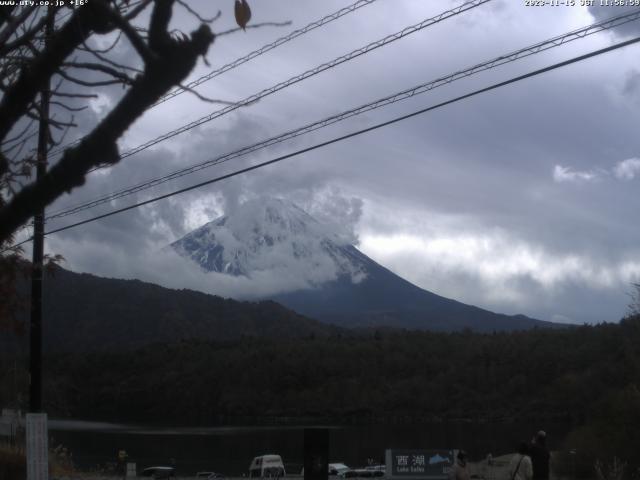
(159, 472)
(376, 468)
(209, 475)
(337, 468)
(362, 473)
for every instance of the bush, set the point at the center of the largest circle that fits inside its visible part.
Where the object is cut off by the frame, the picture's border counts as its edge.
(13, 464)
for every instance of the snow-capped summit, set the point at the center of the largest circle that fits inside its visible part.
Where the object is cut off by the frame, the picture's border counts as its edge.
(270, 234)
(319, 274)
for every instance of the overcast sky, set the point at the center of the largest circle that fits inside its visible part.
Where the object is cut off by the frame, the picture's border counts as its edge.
(521, 200)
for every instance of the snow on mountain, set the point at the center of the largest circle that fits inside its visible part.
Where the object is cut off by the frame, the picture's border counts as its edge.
(272, 236)
(305, 265)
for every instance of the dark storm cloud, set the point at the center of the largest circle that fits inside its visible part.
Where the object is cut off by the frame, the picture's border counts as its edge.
(602, 10)
(462, 201)
(632, 84)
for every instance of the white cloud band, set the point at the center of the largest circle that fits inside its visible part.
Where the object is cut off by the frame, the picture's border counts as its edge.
(627, 169)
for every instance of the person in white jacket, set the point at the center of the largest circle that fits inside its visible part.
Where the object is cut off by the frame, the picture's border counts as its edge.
(520, 467)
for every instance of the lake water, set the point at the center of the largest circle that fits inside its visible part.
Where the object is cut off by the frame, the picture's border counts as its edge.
(229, 449)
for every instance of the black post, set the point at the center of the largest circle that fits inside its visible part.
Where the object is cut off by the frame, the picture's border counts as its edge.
(316, 453)
(35, 353)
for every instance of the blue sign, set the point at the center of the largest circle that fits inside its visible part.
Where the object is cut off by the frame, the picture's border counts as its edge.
(431, 464)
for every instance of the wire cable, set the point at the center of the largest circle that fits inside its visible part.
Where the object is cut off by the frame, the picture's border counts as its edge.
(403, 95)
(349, 135)
(250, 56)
(266, 48)
(305, 75)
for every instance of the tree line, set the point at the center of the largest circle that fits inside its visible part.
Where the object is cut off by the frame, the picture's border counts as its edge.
(586, 377)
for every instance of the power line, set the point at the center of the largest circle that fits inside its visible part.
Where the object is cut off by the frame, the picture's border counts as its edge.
(266, 48)
(350, 135)
(250, 56)
(403, 95)
(298, 78)
(305, 75)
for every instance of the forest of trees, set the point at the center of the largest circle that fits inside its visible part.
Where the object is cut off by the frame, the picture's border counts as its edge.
(82, 316)
(586, 377)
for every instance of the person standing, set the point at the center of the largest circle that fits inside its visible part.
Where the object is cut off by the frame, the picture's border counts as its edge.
(460, 469)
(540, 456)
(520, 467)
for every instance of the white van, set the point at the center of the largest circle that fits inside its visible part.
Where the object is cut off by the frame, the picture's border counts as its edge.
(267, 466)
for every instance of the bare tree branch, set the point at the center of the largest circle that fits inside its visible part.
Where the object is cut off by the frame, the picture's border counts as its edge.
(136, 40)
(254, 25)
(203, 98)
(13, 24)
(5, 14)
(171, 63)
(67, 107)
(16, 137)
(74, 95)
(86, 48)
(27, 64)
(63, 42)
(123, 77)
(55, 142)
(57, 124)
(108, 61)
(159, 25)
(197, 15)
(87, 83)
(137, 10)
(25, 38)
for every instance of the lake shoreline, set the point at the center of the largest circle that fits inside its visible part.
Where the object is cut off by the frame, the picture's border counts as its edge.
(323, 421)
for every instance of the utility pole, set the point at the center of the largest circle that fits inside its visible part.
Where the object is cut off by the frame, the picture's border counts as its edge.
(37, 433)
(35, 353)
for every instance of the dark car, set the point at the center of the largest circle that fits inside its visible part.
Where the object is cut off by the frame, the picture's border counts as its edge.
(209, 475)
(362, 473)
(159, 472)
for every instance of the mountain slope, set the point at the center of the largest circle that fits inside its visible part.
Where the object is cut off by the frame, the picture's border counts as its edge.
(328, 278)
(385, 299)
(83, 312)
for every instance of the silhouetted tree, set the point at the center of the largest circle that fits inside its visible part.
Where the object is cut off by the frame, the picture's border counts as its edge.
(50, 51)
(634, 305)
(28, 64)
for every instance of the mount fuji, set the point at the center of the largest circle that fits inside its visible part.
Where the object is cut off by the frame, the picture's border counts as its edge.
(315, 271)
